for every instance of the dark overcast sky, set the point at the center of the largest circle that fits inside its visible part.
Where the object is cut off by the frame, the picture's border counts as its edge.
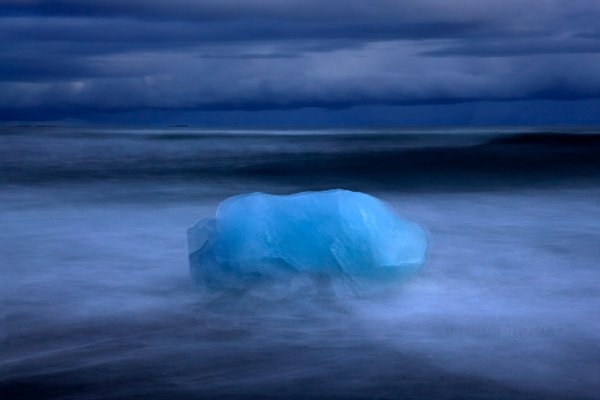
(222, 62)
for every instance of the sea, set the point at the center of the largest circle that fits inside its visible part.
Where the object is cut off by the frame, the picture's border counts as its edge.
(97, 301)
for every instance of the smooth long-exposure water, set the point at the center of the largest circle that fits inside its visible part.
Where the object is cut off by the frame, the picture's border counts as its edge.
(97, 301)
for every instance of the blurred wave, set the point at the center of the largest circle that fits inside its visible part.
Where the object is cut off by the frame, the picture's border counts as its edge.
(410, 160)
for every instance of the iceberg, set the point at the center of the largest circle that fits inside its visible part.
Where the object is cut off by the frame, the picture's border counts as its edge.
(332, 235)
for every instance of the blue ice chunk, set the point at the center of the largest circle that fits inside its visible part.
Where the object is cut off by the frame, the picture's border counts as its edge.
(261, 237)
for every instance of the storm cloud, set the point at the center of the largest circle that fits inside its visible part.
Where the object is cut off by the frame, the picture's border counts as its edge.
(66, 58)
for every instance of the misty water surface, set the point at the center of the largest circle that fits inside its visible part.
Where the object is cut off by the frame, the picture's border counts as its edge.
(97, 300)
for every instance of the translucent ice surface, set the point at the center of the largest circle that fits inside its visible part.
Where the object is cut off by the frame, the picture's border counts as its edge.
(330, 235)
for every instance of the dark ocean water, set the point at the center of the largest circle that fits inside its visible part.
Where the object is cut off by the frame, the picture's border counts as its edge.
(97, 301)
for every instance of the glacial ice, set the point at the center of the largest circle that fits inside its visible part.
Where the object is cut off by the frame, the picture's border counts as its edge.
(334, 234)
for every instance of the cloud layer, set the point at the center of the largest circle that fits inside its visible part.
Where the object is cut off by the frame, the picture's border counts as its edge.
(72, 57)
